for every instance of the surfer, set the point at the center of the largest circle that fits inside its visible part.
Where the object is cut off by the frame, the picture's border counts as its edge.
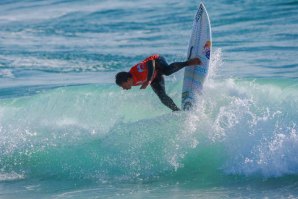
(150, 72)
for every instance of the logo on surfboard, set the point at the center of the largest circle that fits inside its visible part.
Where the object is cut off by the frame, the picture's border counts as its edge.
(207, 47)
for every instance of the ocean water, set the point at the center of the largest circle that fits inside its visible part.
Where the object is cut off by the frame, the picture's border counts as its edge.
(67, 131)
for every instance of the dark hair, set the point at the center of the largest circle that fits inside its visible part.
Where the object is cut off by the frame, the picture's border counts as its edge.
(122, 77)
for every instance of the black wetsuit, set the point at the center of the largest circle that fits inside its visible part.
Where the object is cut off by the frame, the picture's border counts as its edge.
(158, 84)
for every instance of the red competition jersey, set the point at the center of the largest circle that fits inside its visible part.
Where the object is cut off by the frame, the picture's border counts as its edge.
(140, 71)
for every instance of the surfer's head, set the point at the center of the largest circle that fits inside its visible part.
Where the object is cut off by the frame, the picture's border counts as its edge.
(124, 80)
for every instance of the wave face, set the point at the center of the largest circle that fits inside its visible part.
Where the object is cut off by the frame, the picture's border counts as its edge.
(248, 128)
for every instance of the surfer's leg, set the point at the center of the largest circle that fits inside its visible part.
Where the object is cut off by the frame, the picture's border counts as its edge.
(176, 66)
(158, 86)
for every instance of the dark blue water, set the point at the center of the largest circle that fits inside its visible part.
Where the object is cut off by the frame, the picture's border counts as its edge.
(67, 131)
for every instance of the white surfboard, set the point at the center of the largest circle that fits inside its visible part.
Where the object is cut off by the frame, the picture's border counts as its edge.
(200, 45)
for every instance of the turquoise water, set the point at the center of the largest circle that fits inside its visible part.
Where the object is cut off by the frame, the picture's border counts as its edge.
(66, 131)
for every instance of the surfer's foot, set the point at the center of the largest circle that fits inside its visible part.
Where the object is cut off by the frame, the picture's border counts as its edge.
(194, 61)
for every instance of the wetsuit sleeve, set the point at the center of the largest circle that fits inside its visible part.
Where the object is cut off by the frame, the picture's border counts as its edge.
(151, 68)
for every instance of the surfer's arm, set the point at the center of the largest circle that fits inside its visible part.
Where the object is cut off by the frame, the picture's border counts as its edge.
(144, 85)
(151, 70)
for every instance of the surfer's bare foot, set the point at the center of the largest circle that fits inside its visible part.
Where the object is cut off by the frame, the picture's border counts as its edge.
(194, 61)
